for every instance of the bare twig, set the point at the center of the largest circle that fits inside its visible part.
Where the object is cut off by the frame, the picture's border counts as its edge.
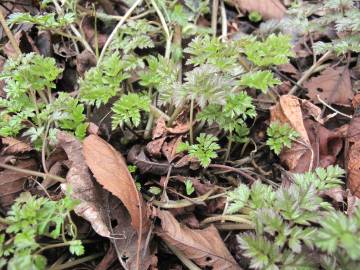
(34, 173)
(214, 15)
(9, 34)
(309, 72)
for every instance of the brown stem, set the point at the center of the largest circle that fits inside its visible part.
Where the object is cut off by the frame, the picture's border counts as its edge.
(10, 35)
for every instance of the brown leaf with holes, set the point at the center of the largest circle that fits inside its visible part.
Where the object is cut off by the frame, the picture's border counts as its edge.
(269, 9)
(332, 85)
(82, 185)
(110, 170)
(205, 247)
(14, 146)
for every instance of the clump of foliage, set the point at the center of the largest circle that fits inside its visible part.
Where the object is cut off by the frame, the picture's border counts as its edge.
(127, 109)
(280, 136)
(339, 16)
(30, 108)
(293, 222)
(204, 150)
(31, 219)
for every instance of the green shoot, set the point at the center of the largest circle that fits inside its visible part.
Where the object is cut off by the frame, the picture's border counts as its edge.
(280, 136)
(204, 150)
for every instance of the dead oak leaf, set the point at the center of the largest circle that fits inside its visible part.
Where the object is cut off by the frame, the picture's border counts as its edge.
(269, 9)
(333, 86)
(354, 169)
(110, 170)
(205, 247)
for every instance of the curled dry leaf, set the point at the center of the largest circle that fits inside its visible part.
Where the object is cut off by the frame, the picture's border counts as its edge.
(269, 9)
(317, 145)
(160, 128)
(332, 85)
(110, 170)
(83, 187)
(14, 146)
(205, 247)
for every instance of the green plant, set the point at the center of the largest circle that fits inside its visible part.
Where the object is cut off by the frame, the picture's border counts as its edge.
(204, 150)
(31, 219)
(30, 105)
(280, 136)
(127, 109)
(46, 21)
(189, 187)
(339, 16)
(285, 236)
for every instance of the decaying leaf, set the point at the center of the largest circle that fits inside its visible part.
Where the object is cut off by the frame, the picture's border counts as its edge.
(83, 187)
(332, 85)
(205, 247)
(354, 169)
(14, 146)
(159, 129)
(125, 238)
(138, 157)
(154, 147)
(317, 145)
(110, 170)
(12, 183)
(269, 9)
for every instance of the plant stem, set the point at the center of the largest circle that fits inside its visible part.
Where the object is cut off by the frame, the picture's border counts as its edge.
(117, 27)
(235, 218)
(309, 72)
(165, 27)
(214, 15)
(177, 111)
(4, 221)
(191, 121)
(10, 35)
(158, 113)
(228, 148)
(224, 30)
(70, 264)
(34, 173)
(73, 28)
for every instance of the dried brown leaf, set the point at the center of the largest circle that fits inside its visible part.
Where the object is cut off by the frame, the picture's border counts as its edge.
(154, 147)
(160, 128)
(205, 247)
(82, 185)
(269, 9)
(12, 182)
(110, 170)
(332, 85)
(14, 146)
(354, 169)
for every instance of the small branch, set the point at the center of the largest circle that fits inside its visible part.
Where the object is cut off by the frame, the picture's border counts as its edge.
(191, 121)
(158, 113)
(34, 173)
(71, 264)
(333, 109)
(235, 218)
(10, 35)
(232, 169)
(309, 72)
(116, 29)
